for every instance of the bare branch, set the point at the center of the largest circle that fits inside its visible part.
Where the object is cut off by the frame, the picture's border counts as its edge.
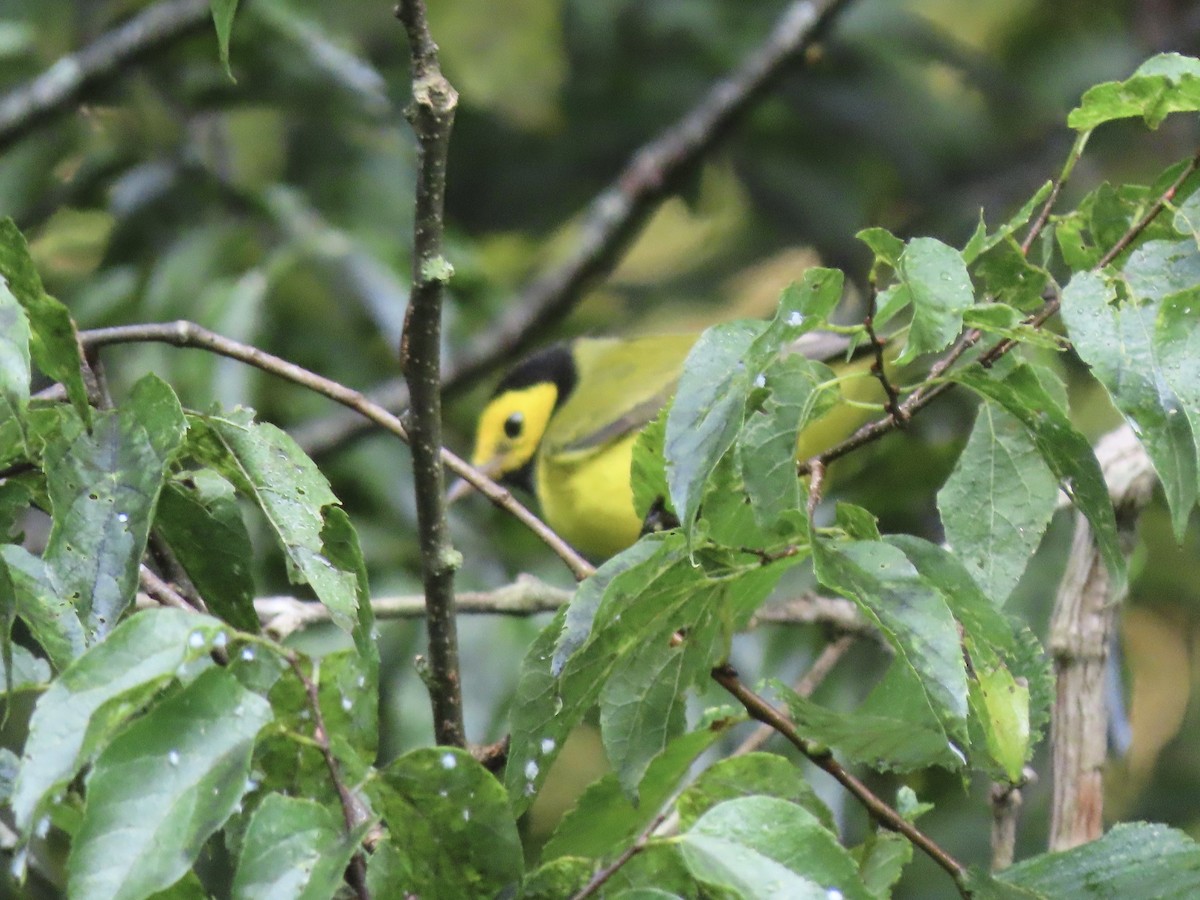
(182, 333)
(431, 114)
(27, 106)
(617, 213)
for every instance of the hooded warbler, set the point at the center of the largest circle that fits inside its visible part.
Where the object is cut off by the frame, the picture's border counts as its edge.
(562, 425)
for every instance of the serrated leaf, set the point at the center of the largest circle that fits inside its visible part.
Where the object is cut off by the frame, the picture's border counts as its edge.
(97, 693)
(1005, 704)
(881, 861)
(1134, 859)
(162, 786)
(293, 848)
(799, 391)
(765, 847)
(451, 819)
(885, 245)
(104, 488)
(53, 344)
(15, 371)
(1065, 450)
(200, 519)
(1163, 84)
(1116, 341)
(648, 472)
(936, 281)
(604, 818)
(709, 407)
(911, 614)
(765, 774)
(1010, 278)
(51, 619)
(267, 465)
(997, 502)
(642, 707)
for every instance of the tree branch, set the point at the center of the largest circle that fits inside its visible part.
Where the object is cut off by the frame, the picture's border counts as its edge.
(1084, 613)
(182, 333)
(27, 106)
(880, 811)
(617, 213)
(431, 114)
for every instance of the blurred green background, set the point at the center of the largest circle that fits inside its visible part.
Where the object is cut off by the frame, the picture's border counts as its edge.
(277, 210)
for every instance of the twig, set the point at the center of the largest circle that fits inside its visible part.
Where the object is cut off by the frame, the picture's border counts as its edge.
(1084, 611)
(1006, 801)
(1151, 214)
(160, 591)
(887, 817)
(282, 616)
(877, 367)
(353, 813)
(616, 214)
(830, 654)
(182, 333)
(431, 114)
(155, 27)
(639, 844)
(1048, 207)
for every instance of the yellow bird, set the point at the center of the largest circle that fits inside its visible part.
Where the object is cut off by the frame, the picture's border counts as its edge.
(562, 425)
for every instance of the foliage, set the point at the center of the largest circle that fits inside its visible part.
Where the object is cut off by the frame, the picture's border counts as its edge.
(176, 749)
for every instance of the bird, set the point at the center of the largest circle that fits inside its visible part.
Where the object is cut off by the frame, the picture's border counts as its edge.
(562, 423)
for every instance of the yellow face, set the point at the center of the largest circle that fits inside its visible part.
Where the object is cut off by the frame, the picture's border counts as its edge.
(511, 428)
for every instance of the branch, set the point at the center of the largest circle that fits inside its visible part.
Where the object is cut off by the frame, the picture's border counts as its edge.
(282, 616)
(182, 333)
(27, 106)
(353, 813)
(431, 114)
(616, 214)
(887, 817)
(1080, 626)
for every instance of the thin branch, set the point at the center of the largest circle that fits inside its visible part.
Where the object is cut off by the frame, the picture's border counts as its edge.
(617, 214)
(353, 813)
(1005, 800)
(162, 593)
(880, 811)
(1043, 216)
(829, 657)
(182, 333)
(27, 106)
(639, 844)
(1151, 214)
(878, 368)
(282, 616)
(431, 114)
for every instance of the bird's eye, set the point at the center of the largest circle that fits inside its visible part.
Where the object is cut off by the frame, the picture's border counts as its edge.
(513, 425)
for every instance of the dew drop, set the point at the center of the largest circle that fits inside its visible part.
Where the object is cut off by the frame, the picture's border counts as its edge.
(43, 827)
(221, 639)
(196, 640)
(248, 654)
(548, 745)
(449, 761)
(531, 770)
(122, 517)
(347, 704)
(795, 318)
(173, 757)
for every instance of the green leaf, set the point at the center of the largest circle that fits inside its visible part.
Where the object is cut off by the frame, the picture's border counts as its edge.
(53, 343)
(1065, 450)
(162, 786)
(765, 774)
(881, 861)
(605, 817)
(1004, 702)
(200, 519)
(451, 819)
(886, 246)
(267, 465)
(798, 391)
(997, 502)
(293, 848)
(97, 693)
(51, 619)
(222, 14)
(642, 707)
(765, 847)
(1117, 342)
(911, 614)
(1161, 85)
(982, 243)
(1177, 345)
(1010, 278)
(1134, 859)
(104, 488)
(648, 473)
(15, 371)
(935, 279)
(27, 672)
(709, 407)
